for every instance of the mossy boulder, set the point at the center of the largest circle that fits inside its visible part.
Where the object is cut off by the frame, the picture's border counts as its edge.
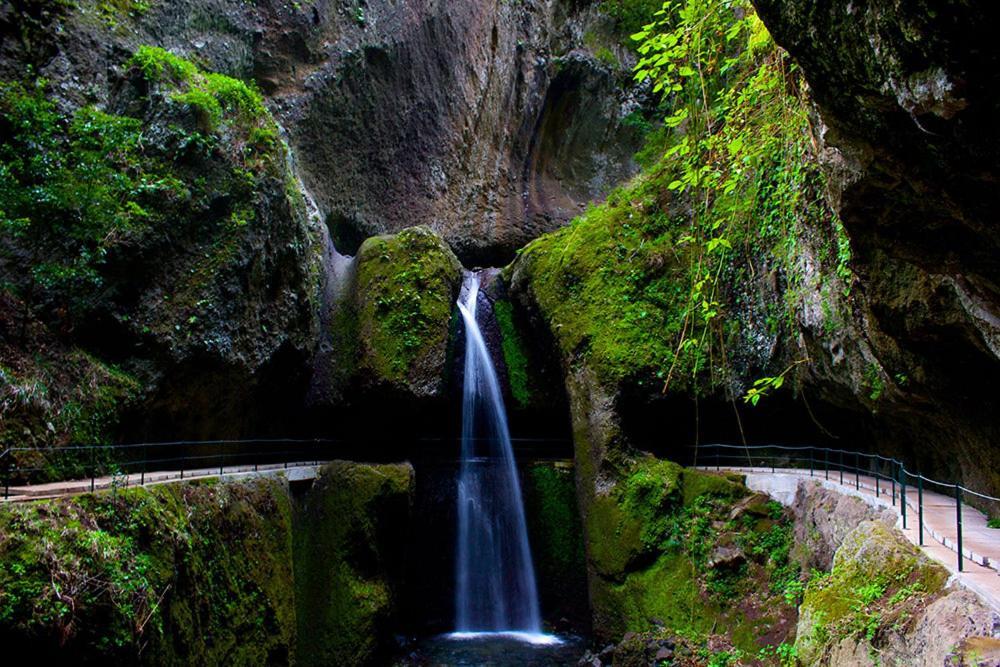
(878, 581)
(405, 295)
(350, 546)
(652, 543)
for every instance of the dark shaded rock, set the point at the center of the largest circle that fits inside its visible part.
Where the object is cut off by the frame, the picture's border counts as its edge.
(349, 547)
(909, 97)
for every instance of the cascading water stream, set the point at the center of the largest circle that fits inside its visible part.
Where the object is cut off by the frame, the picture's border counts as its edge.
(495, 577)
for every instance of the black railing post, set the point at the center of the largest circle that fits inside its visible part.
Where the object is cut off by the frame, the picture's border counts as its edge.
(958, 522)
(222, 457)
(93, 470)
(920, 509)
(902, 493)
(842, 466)
(810, 461)
(142, 473)
(857, 473)
(8, 469)
(893, 476)
(717, 468)
(826, 464)
(878, 486)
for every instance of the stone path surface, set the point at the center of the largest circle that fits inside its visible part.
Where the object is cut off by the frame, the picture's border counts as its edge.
(292, 471)
(980, 544)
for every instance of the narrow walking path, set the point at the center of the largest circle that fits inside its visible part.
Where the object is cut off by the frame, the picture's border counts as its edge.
(297, 471)
(980, 544)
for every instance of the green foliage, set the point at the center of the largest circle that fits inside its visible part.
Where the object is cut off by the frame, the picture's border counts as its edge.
(79, 190)
(784, 654)
(644, 288)
(743, 160)
(874, 381)
(993, 522)
(72, 188)
(106, 577)
(630, 15)
(213, 97)
(654, 538)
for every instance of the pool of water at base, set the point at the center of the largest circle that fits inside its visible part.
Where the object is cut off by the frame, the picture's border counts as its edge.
(493, 650)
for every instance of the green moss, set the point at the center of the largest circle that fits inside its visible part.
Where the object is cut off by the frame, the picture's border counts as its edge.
(514, 355)
(609, 287)
(406, 284)
(139, 572)
(876, 575)
(697, 484)
(113, 11)
(213, 97)
(346, 539)
(651, 542)
(556, 536)
(668, 591)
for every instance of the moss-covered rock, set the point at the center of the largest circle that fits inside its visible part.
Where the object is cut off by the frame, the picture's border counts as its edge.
(406, 288)
(877, 582)
(141, 575)
(163, 230)
(349, 551)
(208, 573)
(691, 553)
(556, 537)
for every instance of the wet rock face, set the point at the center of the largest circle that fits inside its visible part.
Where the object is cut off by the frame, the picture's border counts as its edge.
(477, 119)
(908, 95)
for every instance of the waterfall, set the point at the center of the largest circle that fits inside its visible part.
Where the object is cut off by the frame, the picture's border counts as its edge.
(495, 578)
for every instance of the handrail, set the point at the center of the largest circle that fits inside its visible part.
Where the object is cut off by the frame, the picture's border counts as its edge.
(897, 475)
(851, 453)
(82, 461)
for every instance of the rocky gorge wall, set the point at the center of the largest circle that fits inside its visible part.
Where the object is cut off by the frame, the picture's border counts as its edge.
(907, 96)
(236, 572)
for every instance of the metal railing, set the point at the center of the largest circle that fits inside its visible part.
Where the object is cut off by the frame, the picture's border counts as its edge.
(27, 466)
(890, 475)
(35, 465)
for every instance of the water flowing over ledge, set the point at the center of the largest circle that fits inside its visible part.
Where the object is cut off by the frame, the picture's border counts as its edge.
(496, 590)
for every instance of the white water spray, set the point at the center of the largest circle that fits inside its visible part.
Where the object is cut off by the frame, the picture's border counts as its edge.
(495, 578)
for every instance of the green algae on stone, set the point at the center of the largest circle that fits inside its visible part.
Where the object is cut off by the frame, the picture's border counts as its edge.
(141, 575)
(405, 294)
(877, 576)
(514, 355)
(556, 537)
(348, 556)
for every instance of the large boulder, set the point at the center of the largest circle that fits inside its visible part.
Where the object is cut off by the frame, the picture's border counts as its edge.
(885, 602)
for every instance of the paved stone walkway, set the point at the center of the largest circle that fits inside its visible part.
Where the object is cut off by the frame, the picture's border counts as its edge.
(980, 545)
(293, 471)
